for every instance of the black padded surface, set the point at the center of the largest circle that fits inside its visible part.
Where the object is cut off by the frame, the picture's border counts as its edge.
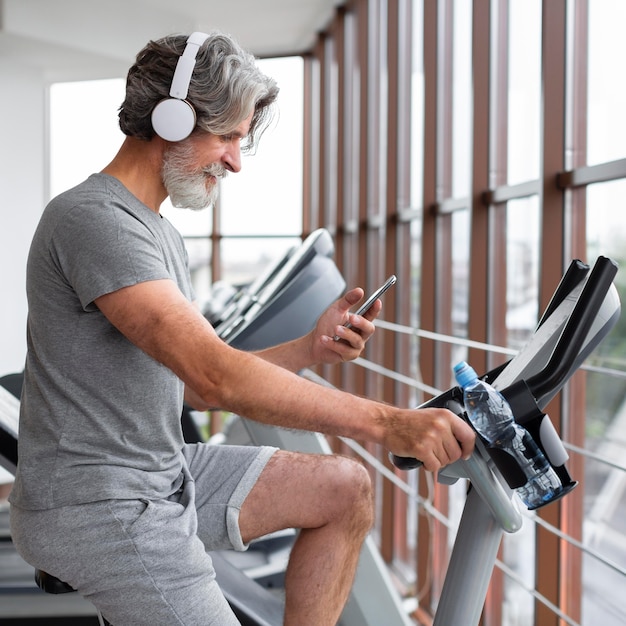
(51, 584)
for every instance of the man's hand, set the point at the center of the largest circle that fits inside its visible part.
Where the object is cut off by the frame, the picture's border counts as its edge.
(437, 437)
(351, 342)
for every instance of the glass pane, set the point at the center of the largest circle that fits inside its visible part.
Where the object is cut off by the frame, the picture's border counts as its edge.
(199, 251)
(522, 269)
(265, 198)
(330, 134)
(74, 107)
(417, 106)
(416, 271)
(606, 129)
(188, 222)
(524, 90)
(351, 120)
(605, 481)
(461, 99)
(244, 259)
(460, 278)
(518, 553)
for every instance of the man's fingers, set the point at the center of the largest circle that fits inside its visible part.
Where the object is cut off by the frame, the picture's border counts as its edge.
(465, 437)
(373, 312)
(353, 296)
(446, 439)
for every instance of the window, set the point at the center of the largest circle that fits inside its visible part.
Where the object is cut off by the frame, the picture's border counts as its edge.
(509, 179)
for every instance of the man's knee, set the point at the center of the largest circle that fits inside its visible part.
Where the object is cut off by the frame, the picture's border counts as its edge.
(352, 491)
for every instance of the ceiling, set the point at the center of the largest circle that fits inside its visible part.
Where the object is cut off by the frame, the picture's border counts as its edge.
(82, 39)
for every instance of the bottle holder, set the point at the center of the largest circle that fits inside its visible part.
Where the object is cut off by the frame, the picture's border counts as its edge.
(542, 431)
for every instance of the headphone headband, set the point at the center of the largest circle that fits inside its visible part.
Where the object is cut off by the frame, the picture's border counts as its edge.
(184, 68)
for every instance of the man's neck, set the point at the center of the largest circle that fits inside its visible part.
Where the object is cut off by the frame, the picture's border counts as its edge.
(137, 165)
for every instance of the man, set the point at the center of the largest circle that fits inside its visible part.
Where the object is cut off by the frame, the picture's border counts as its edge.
(107, 495)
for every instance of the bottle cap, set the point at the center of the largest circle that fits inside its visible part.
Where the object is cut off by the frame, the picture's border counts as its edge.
(464, 374)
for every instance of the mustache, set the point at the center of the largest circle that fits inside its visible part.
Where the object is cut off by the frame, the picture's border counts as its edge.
(215, 169)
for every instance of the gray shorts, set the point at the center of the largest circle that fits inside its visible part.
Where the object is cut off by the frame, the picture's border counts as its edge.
(145, 561)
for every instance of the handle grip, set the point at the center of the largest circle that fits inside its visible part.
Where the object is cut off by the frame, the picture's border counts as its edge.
(405, 462)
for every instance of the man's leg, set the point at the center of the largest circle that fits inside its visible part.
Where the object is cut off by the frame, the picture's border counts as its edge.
(330, 499)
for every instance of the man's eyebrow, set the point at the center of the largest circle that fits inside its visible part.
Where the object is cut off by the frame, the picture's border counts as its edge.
(235, 134)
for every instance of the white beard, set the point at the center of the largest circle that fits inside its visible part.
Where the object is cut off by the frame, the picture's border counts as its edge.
(189, 188)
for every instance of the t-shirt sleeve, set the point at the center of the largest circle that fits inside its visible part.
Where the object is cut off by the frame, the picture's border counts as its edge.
(103, 248)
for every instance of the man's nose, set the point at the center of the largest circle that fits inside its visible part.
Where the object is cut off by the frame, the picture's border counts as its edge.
(232, 158)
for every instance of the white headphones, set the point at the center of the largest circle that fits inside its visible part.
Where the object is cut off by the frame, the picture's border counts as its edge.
(174, 118)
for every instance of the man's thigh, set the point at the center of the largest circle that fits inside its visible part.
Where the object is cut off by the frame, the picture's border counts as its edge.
(298, 490)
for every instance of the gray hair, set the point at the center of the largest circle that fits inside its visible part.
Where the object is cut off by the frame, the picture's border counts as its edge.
(226, 86)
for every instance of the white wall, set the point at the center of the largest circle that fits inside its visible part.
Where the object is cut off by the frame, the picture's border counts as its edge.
(22, 176)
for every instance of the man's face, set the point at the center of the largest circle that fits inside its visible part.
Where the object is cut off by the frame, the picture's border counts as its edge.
(192, 168)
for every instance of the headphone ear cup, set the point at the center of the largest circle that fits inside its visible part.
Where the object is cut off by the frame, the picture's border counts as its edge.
(173, 119)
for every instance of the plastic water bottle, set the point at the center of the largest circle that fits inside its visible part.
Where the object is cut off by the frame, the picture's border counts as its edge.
(491, 416)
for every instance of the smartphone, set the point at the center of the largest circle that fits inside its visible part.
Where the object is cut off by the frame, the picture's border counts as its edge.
(370, 301)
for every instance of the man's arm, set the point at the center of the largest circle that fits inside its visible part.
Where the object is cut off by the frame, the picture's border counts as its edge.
(157, 318)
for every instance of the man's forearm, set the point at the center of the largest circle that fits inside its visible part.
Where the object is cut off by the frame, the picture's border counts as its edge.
(292, 355)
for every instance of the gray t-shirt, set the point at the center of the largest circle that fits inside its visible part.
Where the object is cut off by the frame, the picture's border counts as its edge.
(100, 419)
